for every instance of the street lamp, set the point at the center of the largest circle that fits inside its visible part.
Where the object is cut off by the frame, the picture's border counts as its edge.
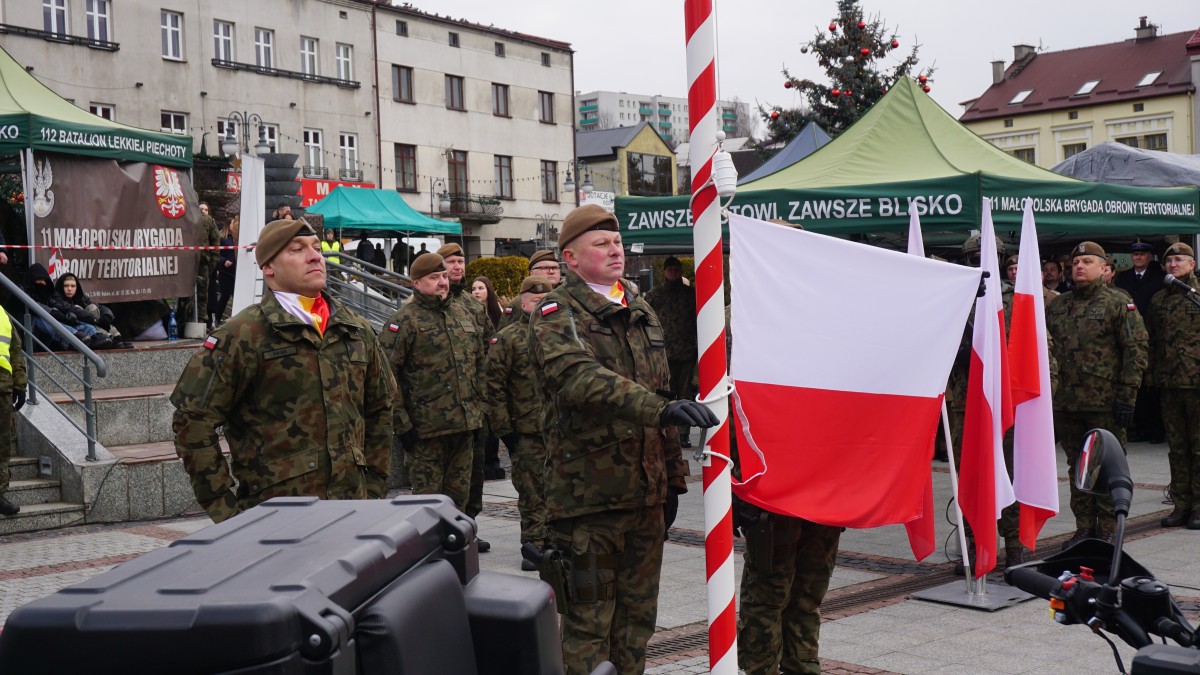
(443, 197)
(229, 146)
(582, 170)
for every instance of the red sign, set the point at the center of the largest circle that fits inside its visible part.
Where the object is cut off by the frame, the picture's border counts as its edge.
(314, 190)
(233, 182)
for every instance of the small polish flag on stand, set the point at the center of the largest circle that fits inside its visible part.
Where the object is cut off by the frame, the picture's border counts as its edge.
(55, 266)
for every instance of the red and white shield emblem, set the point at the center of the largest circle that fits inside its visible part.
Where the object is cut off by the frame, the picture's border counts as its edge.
(168, 192)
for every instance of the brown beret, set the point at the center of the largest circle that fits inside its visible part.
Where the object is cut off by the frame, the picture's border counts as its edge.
(1012, 260)
(1180, 248)
(584, 219)
(276, 235)
(1088, 248)
(450, 249)
(536, 285)
(424, 265)
(541, 256)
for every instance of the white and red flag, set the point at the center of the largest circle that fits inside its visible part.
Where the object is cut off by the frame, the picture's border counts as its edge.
(840, 357)
(983, 487)
(1035, 473)
(55, 266)
(922, 530)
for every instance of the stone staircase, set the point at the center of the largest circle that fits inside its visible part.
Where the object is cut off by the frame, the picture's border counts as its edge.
(136, 474)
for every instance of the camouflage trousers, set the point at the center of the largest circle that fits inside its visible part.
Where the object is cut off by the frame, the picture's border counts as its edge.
(1091, 511)
(1181, 415)
(399, 474)
(475, 494)
(6, 438)
(779, 616)
(625, 549)
(1009, 524)
(183, 313)
(442, 465)
(681, 383)
(319, 481)
(528, 465)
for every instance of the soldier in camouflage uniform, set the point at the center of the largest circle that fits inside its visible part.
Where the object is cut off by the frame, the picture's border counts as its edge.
(675, 304)
(206, 262)
(515, 412)
(1174, 323)
(299, 385)
(435, 348)
(614, 468)
(12, 379)
(1100, 344)
(543, 264)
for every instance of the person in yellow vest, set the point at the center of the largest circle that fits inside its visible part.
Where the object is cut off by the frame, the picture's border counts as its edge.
(12, 378)
(331, 243)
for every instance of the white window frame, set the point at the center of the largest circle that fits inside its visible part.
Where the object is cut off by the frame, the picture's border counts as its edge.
(348, 147)
(171, 27)
(223, 40)
(344, 58)
(54, 17)
(272, 134)
(314, 156)
(264, 47)
(1149, 78)
(1021, 96)
(99, 14)
(1087, 87)
(103, 110)
(172, 127)
(309, 55)
(223, 126)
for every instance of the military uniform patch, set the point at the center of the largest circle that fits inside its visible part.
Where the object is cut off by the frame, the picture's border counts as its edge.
(495, 340)
(508, 310)
(393, 327)
(549, 308)
(211, 342)
(1130, 306)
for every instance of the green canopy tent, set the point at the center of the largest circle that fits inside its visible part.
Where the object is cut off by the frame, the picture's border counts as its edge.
(907, 153)
(376, 212)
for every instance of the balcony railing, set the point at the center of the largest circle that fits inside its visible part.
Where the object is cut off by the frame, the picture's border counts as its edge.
(475, 208)
(279, 72)
(60, 37)
(353, 175)
(316, 172)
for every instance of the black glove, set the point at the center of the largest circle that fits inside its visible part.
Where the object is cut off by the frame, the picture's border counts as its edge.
(510, 441)
(1123, 413)
(745, 515)
(688, 413)
(18, 399)
(670, 509)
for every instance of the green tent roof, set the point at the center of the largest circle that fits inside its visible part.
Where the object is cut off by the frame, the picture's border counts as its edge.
(33, 116)
(368, 210)
(906, 152)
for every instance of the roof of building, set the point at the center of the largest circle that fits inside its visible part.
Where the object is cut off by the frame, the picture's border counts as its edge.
(1089, 76)
(605, 142)
(408, 9)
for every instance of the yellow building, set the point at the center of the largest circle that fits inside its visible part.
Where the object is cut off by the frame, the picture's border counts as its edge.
(631, 160)
(1046, 107)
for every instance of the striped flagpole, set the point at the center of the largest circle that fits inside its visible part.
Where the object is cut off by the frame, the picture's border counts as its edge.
(710, 329)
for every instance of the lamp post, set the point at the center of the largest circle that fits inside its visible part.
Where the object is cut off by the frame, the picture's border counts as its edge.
(584, 173)
(443, 197)
(229, 145)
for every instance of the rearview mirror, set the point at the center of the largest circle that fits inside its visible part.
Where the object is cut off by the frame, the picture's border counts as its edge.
(1102, 469)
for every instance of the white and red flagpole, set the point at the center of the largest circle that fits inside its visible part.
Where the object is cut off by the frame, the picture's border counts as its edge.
(700, 26)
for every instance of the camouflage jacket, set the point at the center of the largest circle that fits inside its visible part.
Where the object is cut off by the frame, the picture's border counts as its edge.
(602, 367)
(462, 295)
(514, 402)
(16, 359)
(435, 348)
(511, 313)
(675, 305)
(1174, 325)
(1100, 343)
(284, 396)
(207, 261)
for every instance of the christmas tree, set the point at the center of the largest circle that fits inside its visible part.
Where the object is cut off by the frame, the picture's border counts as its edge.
(849, 49)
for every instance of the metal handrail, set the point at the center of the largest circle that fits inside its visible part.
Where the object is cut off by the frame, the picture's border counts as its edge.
(90, 359)
(379, 295)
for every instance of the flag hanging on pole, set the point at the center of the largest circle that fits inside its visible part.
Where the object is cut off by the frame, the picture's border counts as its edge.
(1035, 472)
(922, 530)
(55, 266)
(984, 488)
(839, 379)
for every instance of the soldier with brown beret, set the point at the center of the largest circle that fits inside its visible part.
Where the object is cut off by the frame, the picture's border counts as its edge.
(299, 385)
(542, 263)
(1100, 344)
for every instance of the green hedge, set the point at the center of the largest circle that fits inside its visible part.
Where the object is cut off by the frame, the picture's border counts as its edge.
(506, 274)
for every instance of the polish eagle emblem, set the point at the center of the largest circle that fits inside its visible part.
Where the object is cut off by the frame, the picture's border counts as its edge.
(168, 192)
(43, 196)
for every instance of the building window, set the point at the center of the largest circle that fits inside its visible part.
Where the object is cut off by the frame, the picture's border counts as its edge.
(546, 107)
(1139, 107)
(456, 172)
(1148, 142)
(453, 39)
(348, 145)
(1073, 115)
(172, 35)
(1025, 154)
(222, 40)
(313, 156)
(1008, 123)
(402, 28)
(54, 16)
(271, 131)
(1072, 149)
(549, 181)
(264, 48)
(546, 59)
(102, 110)
(500, 49)
(500, 100)
(174, 122)
(504, 177)
(1021, 96)
(402, 84)
(406, 167)
(649, 174)
(97, 19)
(1087, 87)
(1149, 78)
(345, 61)
(226, 129)
(454, 92)
(308, 56)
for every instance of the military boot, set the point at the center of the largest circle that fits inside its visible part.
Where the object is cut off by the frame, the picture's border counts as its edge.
(1178, 518)
(1013, 556)
(8, 508)
(1105, 534)
(1080, 534)
(1194, 523)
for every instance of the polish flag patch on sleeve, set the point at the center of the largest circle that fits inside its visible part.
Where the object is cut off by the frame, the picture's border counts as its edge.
(393, 327)
(508, 310)
(1130, 306)
(549, 308)
(495, 340)
(211, 342)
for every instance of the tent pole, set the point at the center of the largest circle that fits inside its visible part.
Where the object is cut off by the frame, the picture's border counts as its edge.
(26, 164)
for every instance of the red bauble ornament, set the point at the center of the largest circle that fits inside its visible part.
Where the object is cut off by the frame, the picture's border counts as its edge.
(861, 25)
(922, 79)
(833, 28)
(864, 51)
(787, 85)
(895, 43)
(774, 114)
(836, 92)
(847, 93)
(926, 88)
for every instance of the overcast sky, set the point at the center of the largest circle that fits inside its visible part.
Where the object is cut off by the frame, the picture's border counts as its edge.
(637, 45)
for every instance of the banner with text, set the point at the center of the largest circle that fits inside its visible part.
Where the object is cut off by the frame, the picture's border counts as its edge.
(116, 226)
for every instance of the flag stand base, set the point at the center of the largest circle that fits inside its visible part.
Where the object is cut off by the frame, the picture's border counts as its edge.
(997, 595)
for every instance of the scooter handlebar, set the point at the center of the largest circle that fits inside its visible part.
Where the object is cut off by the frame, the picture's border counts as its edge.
(1032, 581)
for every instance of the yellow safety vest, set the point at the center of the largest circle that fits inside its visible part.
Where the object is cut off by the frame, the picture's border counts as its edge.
(334, 246)
(5, 341)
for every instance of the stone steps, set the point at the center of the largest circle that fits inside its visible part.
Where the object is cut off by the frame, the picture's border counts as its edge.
(125, 415)
(30, 491)
(42, 517)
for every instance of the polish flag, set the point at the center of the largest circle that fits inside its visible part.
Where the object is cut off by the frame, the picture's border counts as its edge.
(55, 266)
(983, 486)
(841, 353)
(1035, 473)
(922, 530)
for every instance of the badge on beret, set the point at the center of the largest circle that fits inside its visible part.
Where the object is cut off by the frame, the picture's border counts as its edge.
(211, 342)
(549, 308)
(1081, 249)
(393, 327)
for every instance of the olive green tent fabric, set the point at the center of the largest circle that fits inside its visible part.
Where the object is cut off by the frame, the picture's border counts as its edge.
(364, 210)
(908, 154)
(33, 116)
